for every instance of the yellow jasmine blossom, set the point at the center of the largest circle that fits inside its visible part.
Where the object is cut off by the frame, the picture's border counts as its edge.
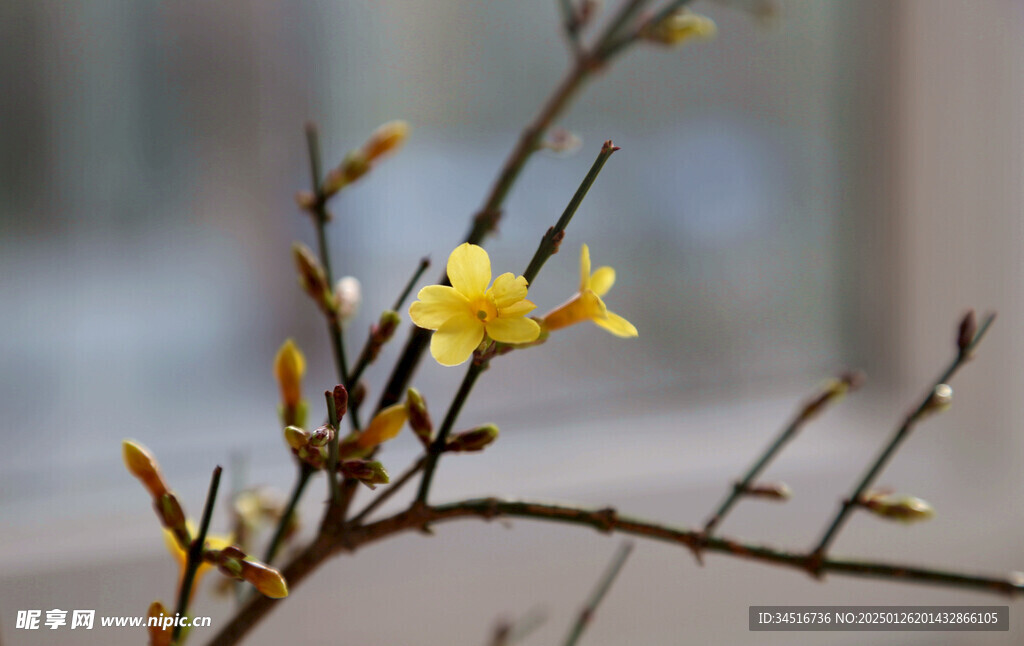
(289, 366)
(213, 542)
(587, 305)
(466, 312)
(385, 425)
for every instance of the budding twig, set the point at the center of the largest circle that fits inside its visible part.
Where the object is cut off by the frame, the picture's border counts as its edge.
(548, 244)
(604, 520)
(603, 585)
(847, 381)
(849, 504)
(195, 552)
(305, 471)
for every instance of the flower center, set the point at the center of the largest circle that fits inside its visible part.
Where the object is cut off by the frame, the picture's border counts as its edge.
(484, 310)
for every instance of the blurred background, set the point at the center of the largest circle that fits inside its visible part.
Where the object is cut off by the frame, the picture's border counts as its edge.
(828, 189)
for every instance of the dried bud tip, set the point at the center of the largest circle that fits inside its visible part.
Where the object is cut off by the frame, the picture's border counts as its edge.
(968, 329)
(609, 147)
(770, 491)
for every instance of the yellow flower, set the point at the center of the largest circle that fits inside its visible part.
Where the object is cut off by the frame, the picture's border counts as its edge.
(587, 305)
(289, 366)
(467, 311)
(180, 555)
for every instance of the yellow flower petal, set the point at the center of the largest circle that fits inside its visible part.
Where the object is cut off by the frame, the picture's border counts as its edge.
(289, 367)
(455, 341)
(584, 268)
(507, 290)
(617, 325)
(437, 304)
(469, 270)
(513, 330)
(602, 280)
(386, 425)
(522, 308)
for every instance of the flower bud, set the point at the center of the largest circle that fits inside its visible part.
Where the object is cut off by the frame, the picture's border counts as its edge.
(369, 472)
(419, 417)
(321, 436)
(265, 579)
(172, 516)
(474, 440)
(296, 437)
(940, 400)
(965, 334)
(769, 491)
(312, 277)
(143, 466)
(386, 138)
(355, 165)
(289, 367)
(562, 142)
(358, 394)
(900, 507)
(384, 426)
(382, 332)
(680, 26)
(340, 396)
(348, 295)
(159, 635)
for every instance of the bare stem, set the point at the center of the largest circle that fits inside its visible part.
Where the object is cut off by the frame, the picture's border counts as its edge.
(846, 382)
(854, 499)
(553, 238)
(305, 471)
(437, 448)
(195, 552)
(603, 585)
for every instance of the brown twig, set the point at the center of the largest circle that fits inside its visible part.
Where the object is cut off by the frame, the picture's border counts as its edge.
(964, 350)
(605, 520)
(604, 584)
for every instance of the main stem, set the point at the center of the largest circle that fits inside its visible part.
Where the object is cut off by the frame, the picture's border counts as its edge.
(195, 552)
(604, 520)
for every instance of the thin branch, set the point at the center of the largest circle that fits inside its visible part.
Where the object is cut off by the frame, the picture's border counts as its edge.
(437, 448)
(332, 456)
(614, 47)
(422, 267)
(605, 520)
(603, 585)
(550, 241)
(195, 552)
(854, 500)
(305, 471)
(847, 382)
(571, 25)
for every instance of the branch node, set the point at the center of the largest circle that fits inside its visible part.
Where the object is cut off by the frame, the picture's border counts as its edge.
(606, 519)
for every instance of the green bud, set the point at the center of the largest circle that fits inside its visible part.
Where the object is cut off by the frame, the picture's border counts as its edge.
(369, 472)
(900, 507)
(419, 417)
(296, 437)
(474, 440)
